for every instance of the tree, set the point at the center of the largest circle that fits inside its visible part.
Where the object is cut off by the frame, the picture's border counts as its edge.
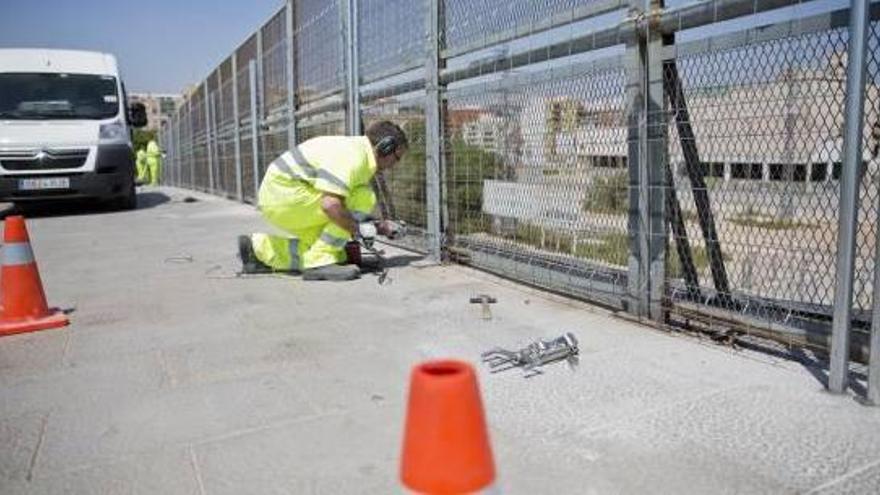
(467, 167)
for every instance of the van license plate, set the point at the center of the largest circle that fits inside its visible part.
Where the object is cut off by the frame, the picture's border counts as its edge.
(45, 183)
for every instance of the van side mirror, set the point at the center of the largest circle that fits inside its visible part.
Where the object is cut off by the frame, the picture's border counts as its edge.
(137, 114)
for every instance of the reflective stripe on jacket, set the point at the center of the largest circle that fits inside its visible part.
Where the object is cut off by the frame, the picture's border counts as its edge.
(331, 164)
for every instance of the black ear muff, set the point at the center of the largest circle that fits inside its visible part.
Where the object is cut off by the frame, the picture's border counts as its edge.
(386, 146)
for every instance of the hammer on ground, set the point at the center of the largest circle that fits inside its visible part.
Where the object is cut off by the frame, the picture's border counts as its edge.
(485, 300)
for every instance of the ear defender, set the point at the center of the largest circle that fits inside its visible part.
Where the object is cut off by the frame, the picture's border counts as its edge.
(386, 146)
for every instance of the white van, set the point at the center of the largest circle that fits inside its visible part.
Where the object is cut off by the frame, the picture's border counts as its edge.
(65, 127)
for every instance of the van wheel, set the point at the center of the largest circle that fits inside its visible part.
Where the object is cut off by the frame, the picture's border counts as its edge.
(127, 202)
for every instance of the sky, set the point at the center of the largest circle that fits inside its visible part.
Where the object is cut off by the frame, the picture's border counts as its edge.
(161, 45)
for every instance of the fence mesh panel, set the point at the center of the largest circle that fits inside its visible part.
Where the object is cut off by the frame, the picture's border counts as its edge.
(275, 58)
(543, 150)
(225, 181)
(761, 125)
(200, 140)
(536, 174)
(318, 40)
(246, 112)
(186, 168)
(869, 202)
(382, 50)
(212, 87)
(401, 190)
(273, 128)
(328, 124)
(473, 23)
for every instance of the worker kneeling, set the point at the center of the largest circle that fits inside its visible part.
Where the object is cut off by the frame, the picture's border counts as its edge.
(320, 193)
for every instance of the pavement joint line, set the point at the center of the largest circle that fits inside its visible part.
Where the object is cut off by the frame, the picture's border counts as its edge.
(118, 459)
(185, 444)
(167, 373)
(65, 350)
(844, 476)
(196, 471)
(256, 429)
(33, 462)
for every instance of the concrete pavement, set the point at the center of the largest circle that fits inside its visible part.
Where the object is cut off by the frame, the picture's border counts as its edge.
(176, 377)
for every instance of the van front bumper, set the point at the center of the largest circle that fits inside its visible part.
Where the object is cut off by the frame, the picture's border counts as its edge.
(113, 177)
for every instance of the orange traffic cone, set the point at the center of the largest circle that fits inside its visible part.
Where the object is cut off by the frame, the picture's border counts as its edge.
(23, 305)
(446, 446)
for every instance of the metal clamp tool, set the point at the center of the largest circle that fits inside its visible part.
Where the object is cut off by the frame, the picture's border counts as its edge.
(535, 355)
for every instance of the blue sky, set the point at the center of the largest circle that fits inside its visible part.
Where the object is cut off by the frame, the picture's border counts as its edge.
(161, 45)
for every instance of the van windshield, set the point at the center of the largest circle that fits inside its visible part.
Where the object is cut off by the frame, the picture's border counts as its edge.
(40, 96)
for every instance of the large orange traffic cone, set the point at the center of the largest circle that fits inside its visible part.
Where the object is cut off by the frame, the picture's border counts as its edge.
(23, 305)
(446, 446)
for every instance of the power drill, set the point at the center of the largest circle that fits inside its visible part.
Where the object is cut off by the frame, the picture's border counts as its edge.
(366, 234)
(366, 238)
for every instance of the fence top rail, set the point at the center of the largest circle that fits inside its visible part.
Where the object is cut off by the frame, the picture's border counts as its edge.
(604, 64)
(331, 103)
(329, 117)
(390, 73)
(576, 14)
(707, 12)
(769, 32)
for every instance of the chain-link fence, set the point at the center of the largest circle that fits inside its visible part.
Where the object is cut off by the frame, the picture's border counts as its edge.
(578, 145)
(756, 134)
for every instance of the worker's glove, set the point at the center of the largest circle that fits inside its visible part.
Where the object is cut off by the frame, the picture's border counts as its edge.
(392, 230)
(366, 233)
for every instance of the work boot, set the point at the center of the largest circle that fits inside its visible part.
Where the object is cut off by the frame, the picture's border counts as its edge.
(332, 272)
(249, 262)
(370, 264)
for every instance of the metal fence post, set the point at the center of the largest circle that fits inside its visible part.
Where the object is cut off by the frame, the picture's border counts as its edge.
(172, 149)
(177, 152)
(192, 161)
(656, 151)
(849, 195)
(167, 146)
(291, 87)
(647, 156)
(433, 131)
(260, 92)
(187, 134)
(175, 132)
(164, 143)
(255, 126)
(216, 174)
(260, 75)
(350, 39)
(236, 130)
(635, 64)
(874, 358)
(209, 110)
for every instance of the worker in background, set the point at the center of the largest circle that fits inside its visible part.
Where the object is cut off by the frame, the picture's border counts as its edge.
(142, 173)
(320, 193)
(154, 162)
